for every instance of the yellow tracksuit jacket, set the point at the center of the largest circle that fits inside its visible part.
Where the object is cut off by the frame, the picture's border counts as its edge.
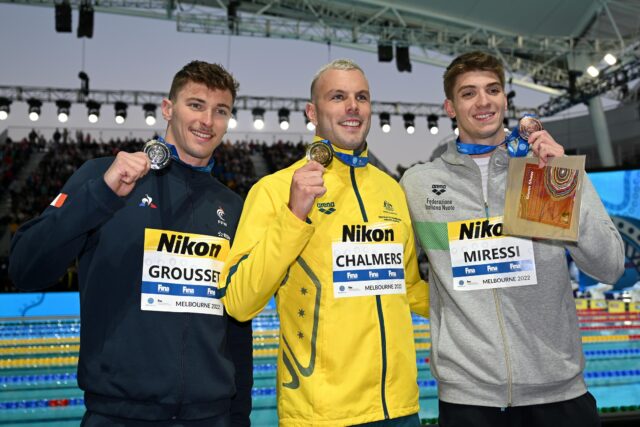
(341, 360)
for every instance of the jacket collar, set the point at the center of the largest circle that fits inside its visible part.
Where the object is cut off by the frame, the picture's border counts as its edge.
(453, 157)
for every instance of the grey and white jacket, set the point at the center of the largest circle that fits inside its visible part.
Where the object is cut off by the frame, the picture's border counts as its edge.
(510, 346)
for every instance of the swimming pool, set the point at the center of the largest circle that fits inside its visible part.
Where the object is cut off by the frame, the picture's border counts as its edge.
(38, 359)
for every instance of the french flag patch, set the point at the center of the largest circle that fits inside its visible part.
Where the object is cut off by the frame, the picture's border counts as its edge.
(59, 200)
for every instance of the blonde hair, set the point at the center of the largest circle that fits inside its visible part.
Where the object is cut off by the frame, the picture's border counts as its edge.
(337, 64)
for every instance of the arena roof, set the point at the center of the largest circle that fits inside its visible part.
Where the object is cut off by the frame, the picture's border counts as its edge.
(544, 43)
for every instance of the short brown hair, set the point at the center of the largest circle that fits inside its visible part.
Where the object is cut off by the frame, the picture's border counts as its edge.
(471, 61)
(213, 76)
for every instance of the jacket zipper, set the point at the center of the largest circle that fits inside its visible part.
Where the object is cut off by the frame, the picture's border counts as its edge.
(185, 328)
(383, 336)
(503, 332)
(185, 324)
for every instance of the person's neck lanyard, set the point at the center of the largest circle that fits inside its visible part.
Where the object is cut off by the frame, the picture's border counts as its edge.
(516, 146)
(348, 159)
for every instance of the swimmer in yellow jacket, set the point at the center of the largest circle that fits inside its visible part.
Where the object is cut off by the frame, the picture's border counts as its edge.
(335, 245)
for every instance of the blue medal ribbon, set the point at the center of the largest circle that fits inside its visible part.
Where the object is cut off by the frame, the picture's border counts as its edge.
(516, 145)
(174, 155)
(348, 159)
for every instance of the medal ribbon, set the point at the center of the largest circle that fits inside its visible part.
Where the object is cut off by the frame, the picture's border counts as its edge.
(348, 159)
(176, 157)
(516, 145)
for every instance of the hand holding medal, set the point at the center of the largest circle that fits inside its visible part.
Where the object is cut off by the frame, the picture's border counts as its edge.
(307, 183)
(541, 142)
(125, 171)
(528, 125)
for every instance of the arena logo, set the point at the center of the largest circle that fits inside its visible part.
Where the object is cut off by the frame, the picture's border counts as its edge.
(438, 189)
(326, 208)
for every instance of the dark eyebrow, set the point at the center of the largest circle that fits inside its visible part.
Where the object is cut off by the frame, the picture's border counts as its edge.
(460, 89)
(202, 101)
(490, 85)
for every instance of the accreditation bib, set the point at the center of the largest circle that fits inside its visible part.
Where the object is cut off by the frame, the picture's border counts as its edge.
(482, 258)
(361, 269)
(181, 271)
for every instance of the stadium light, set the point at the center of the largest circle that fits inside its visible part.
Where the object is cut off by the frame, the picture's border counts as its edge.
(93, 111)
(593, 71)
(121, 112)
(610, 59)
(310, 126)
(258, 118)
(233, 121)
(385, 122)
(63, 110)
(84, 83)
(283, 117)
(149, 114)
(432, 123)
(409, 122)
(35, 106)
(5, 108)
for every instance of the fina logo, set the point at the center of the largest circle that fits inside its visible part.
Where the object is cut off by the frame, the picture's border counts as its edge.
(438, 189)
(147, 201)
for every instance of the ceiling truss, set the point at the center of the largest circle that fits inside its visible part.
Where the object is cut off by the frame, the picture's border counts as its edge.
(537, 62)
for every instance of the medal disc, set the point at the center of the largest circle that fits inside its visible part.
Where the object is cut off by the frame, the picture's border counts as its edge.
(527, 126)
(320, 153)
(158, 153)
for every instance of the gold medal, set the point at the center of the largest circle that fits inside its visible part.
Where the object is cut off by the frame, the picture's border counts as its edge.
(527, 126)
(320, 152)
(158, 153)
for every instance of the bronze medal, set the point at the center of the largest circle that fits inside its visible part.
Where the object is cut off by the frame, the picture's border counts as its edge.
(527, 126)
(321, 153)
(158, 153)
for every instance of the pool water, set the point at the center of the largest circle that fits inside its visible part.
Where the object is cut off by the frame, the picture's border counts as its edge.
(38, 359)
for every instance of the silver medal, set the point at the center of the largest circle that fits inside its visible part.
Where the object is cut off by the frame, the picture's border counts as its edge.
(158, 153)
